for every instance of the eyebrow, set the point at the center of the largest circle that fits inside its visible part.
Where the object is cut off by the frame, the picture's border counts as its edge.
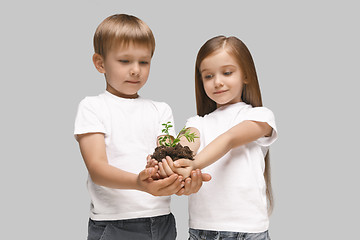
(228, 65)
(127, 56)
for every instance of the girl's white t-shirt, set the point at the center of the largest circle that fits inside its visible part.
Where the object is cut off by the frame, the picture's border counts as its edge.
(235, 199)
(131, 128)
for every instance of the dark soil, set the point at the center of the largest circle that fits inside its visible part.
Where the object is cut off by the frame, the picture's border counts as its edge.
(175, 153)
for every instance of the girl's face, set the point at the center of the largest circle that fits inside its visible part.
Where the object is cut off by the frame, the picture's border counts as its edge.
(222, 78)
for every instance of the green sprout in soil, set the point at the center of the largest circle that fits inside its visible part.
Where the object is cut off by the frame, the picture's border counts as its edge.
(169, 141)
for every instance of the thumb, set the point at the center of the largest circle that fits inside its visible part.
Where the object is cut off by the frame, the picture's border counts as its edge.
(206, 177)
(181, 163)
(146, 173)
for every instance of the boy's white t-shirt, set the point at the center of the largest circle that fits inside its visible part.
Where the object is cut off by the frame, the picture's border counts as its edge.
(131, 128)
(235, 199)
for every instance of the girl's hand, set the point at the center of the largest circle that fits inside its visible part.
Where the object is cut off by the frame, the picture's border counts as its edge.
(182, 166)
(166, 168)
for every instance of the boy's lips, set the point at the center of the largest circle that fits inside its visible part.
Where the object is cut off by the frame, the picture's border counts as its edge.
(221, 91)
(132, 82)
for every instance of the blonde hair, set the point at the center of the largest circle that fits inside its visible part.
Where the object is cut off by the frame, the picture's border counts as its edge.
(251, 93)
(121, 30)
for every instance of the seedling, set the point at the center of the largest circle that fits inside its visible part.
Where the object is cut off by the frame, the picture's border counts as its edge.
(169, 141)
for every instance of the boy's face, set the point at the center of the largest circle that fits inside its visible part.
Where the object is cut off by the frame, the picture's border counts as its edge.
(126, 69)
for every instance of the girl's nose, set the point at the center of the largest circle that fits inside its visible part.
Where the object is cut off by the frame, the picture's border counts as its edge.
(218, 83)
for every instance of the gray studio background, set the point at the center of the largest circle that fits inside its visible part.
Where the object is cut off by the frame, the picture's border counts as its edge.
(307, 58)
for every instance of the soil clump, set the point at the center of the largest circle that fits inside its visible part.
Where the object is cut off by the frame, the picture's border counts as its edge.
(175, 153)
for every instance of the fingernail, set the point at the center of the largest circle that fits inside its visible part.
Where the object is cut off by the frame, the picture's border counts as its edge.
(194, 174)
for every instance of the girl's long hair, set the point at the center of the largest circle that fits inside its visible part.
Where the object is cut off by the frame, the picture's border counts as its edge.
(251, 93)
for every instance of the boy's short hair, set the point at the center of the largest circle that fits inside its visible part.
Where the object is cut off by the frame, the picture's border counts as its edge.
(121, 30)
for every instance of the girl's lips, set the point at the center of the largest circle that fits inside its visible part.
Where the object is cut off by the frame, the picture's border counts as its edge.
(219, 92)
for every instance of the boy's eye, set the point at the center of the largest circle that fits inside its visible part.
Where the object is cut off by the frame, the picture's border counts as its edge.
(124, 61)
(144, 62)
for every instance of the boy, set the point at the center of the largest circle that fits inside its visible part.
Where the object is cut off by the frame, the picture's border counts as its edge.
(117, 130)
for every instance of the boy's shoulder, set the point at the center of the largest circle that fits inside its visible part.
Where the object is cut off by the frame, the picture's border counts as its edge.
(92, 101)
(159, 105)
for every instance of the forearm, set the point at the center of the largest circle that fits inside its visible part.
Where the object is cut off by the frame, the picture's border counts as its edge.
(108, 176)
(241, 134)
(213, 151)
(92, 147)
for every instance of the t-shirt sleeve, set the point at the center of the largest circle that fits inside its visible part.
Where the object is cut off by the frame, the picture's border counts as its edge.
(166, 116)
(263, 114)
(194, 122)
(88, 118)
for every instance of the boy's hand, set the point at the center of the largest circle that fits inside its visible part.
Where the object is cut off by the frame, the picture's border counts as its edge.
(162, 187)
(151, 162)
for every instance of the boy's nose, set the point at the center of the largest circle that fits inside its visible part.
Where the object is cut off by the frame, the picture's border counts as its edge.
(135, 70)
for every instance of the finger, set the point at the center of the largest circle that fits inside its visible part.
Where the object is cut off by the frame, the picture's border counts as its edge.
(155, 174)
(170, 163)
(206, 177)
(145, 174)
(166, 167)
(166, 182)
(148, 159)
(187, 188)
(174, 187)
(194, 186)
(196, 182)
(181, 192)
(182, 163)
(162, 171)
(154, 162)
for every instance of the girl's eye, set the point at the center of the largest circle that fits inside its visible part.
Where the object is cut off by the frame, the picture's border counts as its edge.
(227, 73)
(124, 61)
(144, 62)
(208, 76)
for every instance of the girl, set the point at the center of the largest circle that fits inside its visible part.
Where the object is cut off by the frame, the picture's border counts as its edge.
(235, 133)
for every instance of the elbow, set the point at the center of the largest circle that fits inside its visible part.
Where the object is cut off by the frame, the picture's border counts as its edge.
(94, 177)
(93, 173)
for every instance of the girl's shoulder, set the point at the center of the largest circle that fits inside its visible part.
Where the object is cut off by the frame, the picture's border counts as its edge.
(194, 122)
(256, 111)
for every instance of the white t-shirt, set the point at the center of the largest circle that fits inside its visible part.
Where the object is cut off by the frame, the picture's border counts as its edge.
(131, 128)
(235, 199)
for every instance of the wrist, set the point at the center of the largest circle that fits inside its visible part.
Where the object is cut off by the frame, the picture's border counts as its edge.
(195, 164)
(138, 185)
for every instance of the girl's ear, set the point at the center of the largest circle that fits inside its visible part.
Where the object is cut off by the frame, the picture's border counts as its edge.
(98, 61)
(245, 80)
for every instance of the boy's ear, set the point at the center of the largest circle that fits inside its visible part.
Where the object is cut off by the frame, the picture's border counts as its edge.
(98, 61)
